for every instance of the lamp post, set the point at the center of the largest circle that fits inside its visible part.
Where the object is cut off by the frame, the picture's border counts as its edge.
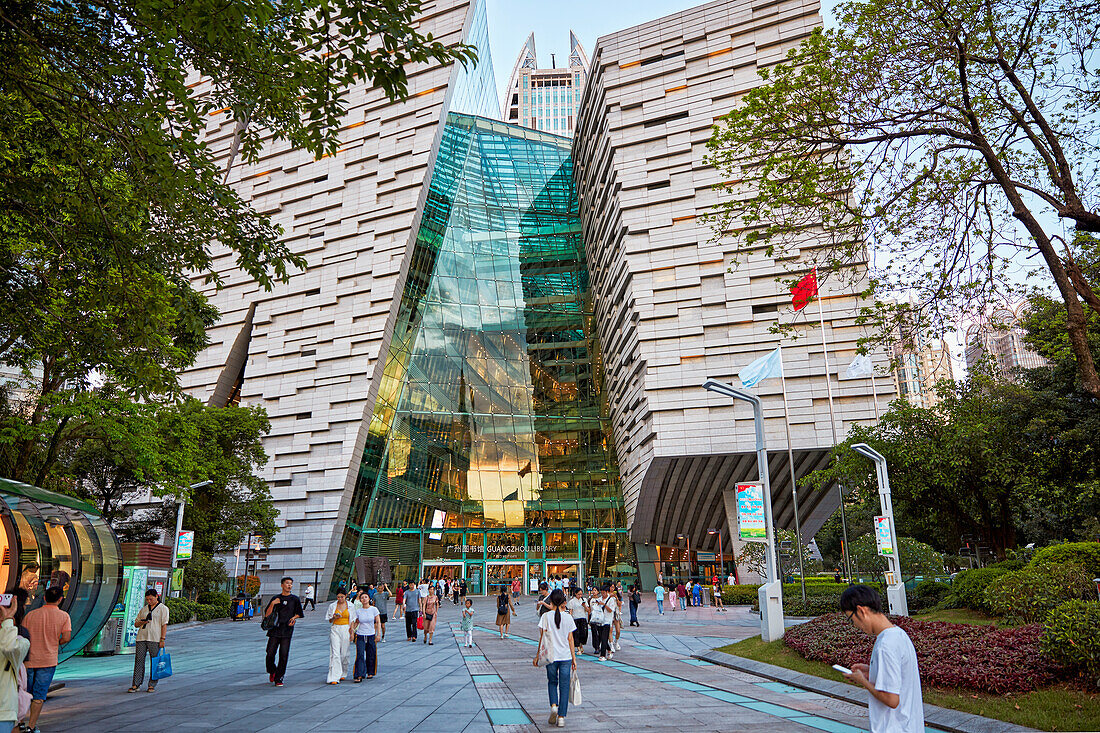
(895, 592)
(721, 555)
(771, 593)
(687, 539)
(179, 523)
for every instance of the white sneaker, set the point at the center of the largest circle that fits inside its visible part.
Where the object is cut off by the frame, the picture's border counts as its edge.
(618, 647)
(561, 722)
(603, 659)
(554, 715)
(610, 655)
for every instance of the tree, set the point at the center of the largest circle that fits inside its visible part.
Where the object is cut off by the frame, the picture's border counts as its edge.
(752, 555)
(201, 574)
(934, 131)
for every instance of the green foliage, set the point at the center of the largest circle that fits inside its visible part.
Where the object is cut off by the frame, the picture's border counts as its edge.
(1010, 565)
(1027, 596)
(214, 598)
(902, 126)
(202, 575)
(917, 558)
(210, 612)
(1070, 636)
(752, 555)
(969, 587)
(180, 610)
(739, 595)
(928, 593)
(1085, 554)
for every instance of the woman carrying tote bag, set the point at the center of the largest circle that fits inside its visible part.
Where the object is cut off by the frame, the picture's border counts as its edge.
(558, 653)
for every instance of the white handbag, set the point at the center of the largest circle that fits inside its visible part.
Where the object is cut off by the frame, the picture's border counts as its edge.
(543, 657)
(575, 689)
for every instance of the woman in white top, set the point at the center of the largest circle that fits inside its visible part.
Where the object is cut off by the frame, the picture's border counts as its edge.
(578, 609)
(556, 643)
(339, 616)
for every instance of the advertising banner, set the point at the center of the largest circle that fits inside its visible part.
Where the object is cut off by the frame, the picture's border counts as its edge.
(751, 524)
(882, 537)
(184, 545)
(137, 580)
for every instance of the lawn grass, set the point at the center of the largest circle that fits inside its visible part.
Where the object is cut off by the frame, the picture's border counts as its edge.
(960, 616)
(1057, 708)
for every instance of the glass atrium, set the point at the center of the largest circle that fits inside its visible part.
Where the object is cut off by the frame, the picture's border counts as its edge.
(489, 454)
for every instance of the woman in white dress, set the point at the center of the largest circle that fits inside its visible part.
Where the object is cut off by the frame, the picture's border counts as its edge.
(339, 637)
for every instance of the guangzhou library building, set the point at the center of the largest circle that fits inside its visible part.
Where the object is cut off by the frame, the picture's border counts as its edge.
(491, 367)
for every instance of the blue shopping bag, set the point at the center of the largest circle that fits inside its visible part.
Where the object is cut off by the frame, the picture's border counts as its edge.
(162, 666)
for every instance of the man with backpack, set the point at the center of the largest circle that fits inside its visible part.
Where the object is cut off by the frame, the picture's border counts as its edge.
(49, 627)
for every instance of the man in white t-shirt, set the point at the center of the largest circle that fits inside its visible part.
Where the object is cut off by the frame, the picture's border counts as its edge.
(892, 678)
(367, 627)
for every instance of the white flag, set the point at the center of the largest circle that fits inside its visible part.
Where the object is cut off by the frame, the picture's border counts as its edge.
(861, 367)
(766, 367)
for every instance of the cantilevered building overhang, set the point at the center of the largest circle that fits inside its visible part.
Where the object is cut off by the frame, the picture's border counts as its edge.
(672, 307)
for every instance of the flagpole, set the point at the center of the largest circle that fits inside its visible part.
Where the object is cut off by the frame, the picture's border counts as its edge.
(874, 391)
(832, 426)
(794, 484)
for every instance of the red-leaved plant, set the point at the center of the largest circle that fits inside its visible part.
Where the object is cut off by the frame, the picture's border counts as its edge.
(980, 658)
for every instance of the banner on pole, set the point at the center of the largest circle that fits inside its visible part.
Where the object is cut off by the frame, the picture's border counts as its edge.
(751, 523)
(184, 544)
(882, 537)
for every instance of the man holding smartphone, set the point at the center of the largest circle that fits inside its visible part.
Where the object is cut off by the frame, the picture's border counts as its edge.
(892, 679)
(152, 624)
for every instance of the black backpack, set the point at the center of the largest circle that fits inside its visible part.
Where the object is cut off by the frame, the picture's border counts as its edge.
(502, 606)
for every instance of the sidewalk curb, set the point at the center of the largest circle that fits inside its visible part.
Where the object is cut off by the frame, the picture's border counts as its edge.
(944, 718)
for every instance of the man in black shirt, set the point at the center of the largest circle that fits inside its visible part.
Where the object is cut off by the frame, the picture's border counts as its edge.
(287, 608)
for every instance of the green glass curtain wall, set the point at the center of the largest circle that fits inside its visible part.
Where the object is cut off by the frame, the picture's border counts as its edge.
(491, 412)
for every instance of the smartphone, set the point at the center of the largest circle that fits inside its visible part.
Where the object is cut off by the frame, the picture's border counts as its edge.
(842, 670)
(5, 600)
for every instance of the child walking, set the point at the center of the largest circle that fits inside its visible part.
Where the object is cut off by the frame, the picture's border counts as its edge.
(467, 624)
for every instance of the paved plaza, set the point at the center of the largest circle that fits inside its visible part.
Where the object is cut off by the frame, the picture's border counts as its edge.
(653, 683)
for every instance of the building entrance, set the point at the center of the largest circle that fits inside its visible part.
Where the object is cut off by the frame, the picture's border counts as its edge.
(501, 574)
(441, 570)
(565, 570)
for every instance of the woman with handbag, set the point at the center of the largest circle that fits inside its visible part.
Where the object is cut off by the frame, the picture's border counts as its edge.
(429, 606)
(558, 653)
(339, 637)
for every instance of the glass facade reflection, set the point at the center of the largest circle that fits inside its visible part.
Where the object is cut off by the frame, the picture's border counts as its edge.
(489, 450)
(53, 540)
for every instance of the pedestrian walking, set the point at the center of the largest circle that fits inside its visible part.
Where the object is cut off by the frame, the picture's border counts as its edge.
(152, 624)
(719, 606)
(681, 594)
(309, 599)
(578, 609)
(455, 590)
(462, 588)
(367, 627)
(13, 650)
(659, 593)
(412, 610)
(467, 623)
(556, 643)
(439, 593)
(430, 608)
(892, 678)
(382, 603)
(617, 622)
(48, 627)
(635, 601)
(541, 604)
(505, 609)
(602, 609)
(517, 585)
(696, 594)
(287, 609)
(339, 637)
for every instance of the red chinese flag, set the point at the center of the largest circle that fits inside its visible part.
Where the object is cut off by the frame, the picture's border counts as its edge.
(804, 290)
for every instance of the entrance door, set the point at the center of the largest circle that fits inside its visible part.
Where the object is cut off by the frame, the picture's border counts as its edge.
(565, 570)
(500, 575)
(475, 579)
(441, 570)
(536, 573)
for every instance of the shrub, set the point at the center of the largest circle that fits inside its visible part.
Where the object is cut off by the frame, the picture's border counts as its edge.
(179, 610)
(1085, 554)
(208, 612)
(927, 593)
(1011, 565)
(1027, 596)
(1071, 637)
(969, 587)
(214, 598)
(981, 658)
(739, 595)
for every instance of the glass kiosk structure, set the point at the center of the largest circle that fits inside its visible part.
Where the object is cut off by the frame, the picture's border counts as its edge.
(49, 539)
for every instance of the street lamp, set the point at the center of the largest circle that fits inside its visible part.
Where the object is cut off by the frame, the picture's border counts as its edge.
(179, 521)
(721, 556)
(771, 593)
(895, 592)
(688, 540)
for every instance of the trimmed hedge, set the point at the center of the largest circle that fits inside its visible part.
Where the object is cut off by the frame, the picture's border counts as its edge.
(981, 658)
(1085, 554)
(926, 594)
(969, 587)
(1028, 595)
(1070, 637)
(180, 610)
(746, 595)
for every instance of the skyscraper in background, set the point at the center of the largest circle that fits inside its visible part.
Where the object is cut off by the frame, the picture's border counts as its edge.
(545, 99)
